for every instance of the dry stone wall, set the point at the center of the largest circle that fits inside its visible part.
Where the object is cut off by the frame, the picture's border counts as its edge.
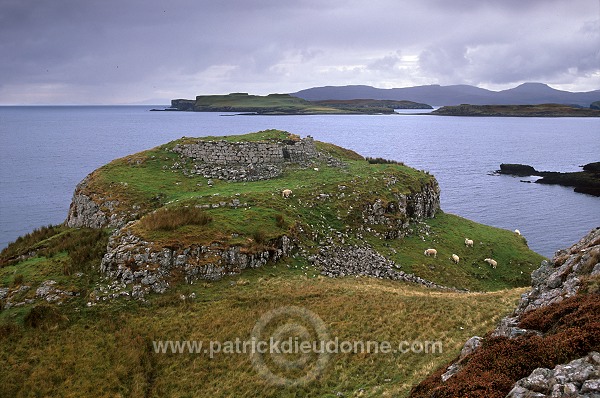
(244, 153)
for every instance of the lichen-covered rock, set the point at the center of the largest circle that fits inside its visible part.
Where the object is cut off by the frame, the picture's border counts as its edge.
(95, 212)
(424, 204)
(556, 280)
(49, 292)
(578, 378)
(132, 261)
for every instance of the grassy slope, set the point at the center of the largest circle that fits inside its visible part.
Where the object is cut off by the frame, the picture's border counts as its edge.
(106, 350)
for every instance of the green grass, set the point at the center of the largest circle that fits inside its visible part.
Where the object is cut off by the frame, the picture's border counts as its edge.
(447, 235)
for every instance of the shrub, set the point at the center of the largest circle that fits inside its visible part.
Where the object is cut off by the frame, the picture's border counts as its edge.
(382, 161)
(86, 251)
(280, 221)
(259, 237)
(8, 329)
(18, 280)
(23, 244)
(44, 317)
(168, 219)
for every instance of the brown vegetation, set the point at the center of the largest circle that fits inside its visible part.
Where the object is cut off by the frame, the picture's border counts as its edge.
(571, 330)
(168, 219)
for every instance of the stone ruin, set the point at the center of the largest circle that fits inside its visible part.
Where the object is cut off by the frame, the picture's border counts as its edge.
(245, 161)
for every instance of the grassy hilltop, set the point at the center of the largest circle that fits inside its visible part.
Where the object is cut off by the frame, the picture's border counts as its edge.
(67, 343)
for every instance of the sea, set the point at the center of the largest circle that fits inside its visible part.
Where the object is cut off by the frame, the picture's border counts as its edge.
(46, 150)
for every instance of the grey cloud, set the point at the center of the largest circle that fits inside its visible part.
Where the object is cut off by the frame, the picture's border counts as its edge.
(140, 47)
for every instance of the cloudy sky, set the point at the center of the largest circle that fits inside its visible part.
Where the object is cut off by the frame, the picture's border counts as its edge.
(130, 51)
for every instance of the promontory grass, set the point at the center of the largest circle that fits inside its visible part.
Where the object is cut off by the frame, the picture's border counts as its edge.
(170, 218)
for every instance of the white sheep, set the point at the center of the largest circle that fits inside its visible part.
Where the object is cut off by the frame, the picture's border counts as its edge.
(431, 252)
(491, 262)
(455, 258)
(468, 242)
(517, 232)
(286, 193)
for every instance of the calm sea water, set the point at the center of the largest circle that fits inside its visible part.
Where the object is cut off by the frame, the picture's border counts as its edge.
(46, 151)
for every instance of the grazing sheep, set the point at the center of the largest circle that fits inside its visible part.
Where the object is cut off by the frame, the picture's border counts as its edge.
(517, 232)
(455, 258)
(468, 242)
(316, 169)
(431, 252)
(286, 193)
(491, 262)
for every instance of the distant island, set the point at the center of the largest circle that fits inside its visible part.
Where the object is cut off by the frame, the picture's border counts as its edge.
(436, 95)
(541, 110)
(285, 104)
(586, 181)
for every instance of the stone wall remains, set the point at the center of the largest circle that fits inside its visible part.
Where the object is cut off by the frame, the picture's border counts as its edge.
(244, 153)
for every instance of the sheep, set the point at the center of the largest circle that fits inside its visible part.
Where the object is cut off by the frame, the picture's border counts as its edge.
(491, 262)
(468, 242)
(286, 193)
(430, 252)
(517, 232)
(455, 258)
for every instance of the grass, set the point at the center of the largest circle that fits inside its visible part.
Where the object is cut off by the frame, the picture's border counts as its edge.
(446, 233)
(106, 350)
(171, 218)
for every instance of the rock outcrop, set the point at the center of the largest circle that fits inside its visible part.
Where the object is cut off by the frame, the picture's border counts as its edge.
(578, 378)
(556, 280)
(131, 261)
(95, 211)
(339, 261)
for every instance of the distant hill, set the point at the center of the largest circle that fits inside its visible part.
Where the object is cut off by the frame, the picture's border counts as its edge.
(524, 94)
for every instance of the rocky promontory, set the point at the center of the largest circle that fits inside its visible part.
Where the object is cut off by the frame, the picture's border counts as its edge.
(145, 255)
(586, 181)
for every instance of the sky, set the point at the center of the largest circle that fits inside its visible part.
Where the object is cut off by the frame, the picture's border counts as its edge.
(149, 51)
